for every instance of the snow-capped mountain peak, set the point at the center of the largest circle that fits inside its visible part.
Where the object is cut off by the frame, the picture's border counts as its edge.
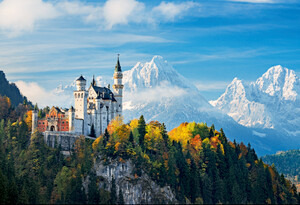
(279, 81)
(154, 73)
(269, 102)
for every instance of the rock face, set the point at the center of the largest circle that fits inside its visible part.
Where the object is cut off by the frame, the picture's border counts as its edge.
(136, 190)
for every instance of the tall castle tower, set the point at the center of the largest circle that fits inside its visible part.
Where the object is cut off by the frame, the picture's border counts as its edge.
(80, 96)
(118, 87)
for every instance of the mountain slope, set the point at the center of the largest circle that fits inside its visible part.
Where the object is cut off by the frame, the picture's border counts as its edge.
(10, 90)
(270, 102)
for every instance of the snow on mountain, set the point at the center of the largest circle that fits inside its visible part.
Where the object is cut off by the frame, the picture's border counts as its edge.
(156, 90)
(270, 102)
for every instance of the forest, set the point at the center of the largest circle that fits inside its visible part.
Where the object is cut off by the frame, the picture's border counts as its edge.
(198, 162)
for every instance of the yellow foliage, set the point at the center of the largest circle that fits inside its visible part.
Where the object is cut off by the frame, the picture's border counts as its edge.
(114, 124)
(123, 132)
(28, 119)
(96, 142)
(181, 134)
(134, 123)
(117, 145)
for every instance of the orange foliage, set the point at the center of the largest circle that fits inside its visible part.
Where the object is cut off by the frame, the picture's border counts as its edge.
(196, 142)
(114, 124)
(244, 149)
(96, 142)
(214, 141)
(28, 119)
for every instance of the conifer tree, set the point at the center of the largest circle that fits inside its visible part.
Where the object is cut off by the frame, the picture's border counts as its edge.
(93, 191)
(120, 198)
(130, 139)
(141, 130)
(105, 138)
(113, 191)
(93, 132)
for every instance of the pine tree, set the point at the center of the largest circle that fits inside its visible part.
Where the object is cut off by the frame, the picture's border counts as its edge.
(194, 181)
(131, 140)
(105, 138)
(120, 198)
(93, 132)
(113, 191)
(93, 191)
(141, 130)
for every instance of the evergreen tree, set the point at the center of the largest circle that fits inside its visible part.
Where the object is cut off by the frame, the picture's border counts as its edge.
(93, 132)
(194, 181)
(93, 191)
(113, 191)
(141, 130)
(120, 198)
(105, 138)
(130, 139)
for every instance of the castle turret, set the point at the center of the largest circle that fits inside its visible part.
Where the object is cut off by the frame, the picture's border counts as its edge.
(80, 96)
(71, 118)
(34, 118)
(118, 87)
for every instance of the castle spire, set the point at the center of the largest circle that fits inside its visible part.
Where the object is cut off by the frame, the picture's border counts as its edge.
(94, 82)
(118, 66)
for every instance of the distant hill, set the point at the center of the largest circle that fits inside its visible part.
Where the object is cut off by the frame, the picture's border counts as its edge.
(10, 90)
(287, 163)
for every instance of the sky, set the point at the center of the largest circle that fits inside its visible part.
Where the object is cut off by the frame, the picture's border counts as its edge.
(47, 43)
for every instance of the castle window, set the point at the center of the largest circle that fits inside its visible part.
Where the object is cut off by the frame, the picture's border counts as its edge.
(43, 123)
(75, 95)
(63, 122)
(81, 95)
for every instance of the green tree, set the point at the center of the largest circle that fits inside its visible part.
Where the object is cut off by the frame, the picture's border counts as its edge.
(113, 191)
(141, 131)
(120, 198)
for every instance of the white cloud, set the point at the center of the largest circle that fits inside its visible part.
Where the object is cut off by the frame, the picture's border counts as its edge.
(21, 15)
(122, 11)
(210, 86)
(155, 94)
(170, 10)
(43, 97)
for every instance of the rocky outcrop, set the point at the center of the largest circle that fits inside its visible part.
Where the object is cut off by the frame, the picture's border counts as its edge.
(136, 190)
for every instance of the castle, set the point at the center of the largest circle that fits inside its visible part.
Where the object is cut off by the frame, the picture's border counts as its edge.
(94, 109)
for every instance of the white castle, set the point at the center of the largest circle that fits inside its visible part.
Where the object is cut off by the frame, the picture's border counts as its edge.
(94, 109)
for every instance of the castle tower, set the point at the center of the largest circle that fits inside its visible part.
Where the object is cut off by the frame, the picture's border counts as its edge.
(118, 87)
(80, 96)
(34, 118)
(71, 118)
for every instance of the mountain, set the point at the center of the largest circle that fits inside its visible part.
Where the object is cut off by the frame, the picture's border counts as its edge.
(271, 102)
(288, 163)
(157, 91)
(10, 90)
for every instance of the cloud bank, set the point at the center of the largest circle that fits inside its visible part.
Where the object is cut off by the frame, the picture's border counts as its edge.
(19, 15)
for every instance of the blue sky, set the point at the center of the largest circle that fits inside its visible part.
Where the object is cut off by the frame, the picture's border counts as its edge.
(45, 43)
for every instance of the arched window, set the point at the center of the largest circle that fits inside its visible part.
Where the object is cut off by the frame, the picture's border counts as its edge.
(75, 95)
(81, 95)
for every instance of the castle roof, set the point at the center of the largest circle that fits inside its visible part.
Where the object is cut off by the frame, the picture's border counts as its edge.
(81, 78)
(118, 66)
(104, 93)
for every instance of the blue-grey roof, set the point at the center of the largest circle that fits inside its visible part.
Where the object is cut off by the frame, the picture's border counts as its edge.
(81, 78)
(104, 93)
